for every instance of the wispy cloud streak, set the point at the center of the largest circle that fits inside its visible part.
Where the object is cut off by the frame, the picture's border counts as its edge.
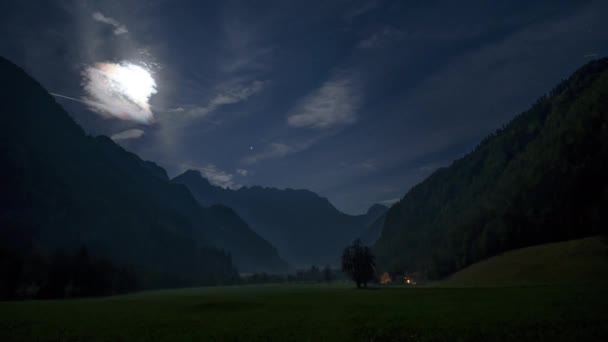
(128, 134)
(333, 104)
(118, 27)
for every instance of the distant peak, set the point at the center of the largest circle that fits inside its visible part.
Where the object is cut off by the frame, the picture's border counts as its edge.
(191, 176)
(191, 173)
(376, 208)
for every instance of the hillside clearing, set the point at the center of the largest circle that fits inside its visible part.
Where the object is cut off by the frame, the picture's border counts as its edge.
(570, 262)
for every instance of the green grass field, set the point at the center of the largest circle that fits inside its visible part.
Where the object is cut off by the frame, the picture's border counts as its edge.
(549, 312)
(316, 313)
(574, 262)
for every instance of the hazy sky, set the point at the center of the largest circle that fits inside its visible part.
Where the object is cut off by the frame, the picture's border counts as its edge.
(355, 100)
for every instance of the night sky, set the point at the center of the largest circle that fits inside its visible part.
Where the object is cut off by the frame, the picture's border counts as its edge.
(355, 100)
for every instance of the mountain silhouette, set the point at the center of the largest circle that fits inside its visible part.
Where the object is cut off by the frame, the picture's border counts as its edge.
(540, 178)
(63, 189)
(306, 228)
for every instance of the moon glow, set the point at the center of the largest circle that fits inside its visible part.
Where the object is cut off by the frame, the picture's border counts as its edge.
(121, 90)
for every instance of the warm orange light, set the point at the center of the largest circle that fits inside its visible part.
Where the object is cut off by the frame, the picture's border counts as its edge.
(385, 279)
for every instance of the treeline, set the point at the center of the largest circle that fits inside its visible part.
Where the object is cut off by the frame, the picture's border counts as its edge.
(312, 275)
(29, 274)
(539, 179)
(61, 275)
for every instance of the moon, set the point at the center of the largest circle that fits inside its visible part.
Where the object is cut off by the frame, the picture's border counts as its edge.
(120, 90)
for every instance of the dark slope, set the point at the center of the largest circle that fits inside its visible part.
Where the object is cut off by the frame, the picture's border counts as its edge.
(306, 228)
(539, 179)
(374, 230)
(62, 189)
(374, 213)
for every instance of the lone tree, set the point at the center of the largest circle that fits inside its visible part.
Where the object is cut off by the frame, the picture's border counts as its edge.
(359, 263)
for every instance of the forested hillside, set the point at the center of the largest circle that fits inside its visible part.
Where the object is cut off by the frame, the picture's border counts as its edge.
(540, 178)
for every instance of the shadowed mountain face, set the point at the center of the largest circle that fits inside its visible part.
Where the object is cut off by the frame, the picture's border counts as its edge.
(373, 232)
(63, 189)
(541, 178)
(306, 228)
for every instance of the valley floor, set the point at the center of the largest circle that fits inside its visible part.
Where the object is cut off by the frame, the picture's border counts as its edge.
(318, 313)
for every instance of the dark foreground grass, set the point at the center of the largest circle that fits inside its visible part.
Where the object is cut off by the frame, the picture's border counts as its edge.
(317, 313)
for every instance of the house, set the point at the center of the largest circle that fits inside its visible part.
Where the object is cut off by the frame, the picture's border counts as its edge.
(385, 279)
(411, 278)
(407, 280)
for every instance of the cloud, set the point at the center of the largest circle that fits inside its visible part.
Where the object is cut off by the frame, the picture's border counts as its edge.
(128, 134)
(368, 6)
(247, 59)
(118, 27)
(242, 172)
(226, 95)
(390, 201)
(120, 91)
(279, 149)
(274, 150)
(428, 168)
(215, 175)
(335, 103)
(381, 38)
(368, 165)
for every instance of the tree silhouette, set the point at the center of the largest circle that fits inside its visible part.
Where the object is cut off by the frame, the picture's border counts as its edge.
(359, 263)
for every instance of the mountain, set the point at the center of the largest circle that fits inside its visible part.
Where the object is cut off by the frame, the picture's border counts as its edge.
(62, 190)
(541, 178)
(375, 213)
(306, 228)
(374, 230)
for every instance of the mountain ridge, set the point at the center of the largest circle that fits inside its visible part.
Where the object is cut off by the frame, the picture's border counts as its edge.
(65, 189)
(298, 222)
(536, 180)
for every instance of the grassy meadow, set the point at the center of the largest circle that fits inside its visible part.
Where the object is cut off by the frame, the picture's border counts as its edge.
(574, 262)
(316, 313)
(534, 311)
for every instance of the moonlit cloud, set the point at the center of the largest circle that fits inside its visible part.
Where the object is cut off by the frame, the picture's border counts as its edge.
(218, 177)
(118, 27)
(119, 91)
(274, 150)
(213, 174)
(128, 134)
(389, 202)
(381, 38)
(227, 95)
(242, 172)
(369, 165)
(335, 103)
